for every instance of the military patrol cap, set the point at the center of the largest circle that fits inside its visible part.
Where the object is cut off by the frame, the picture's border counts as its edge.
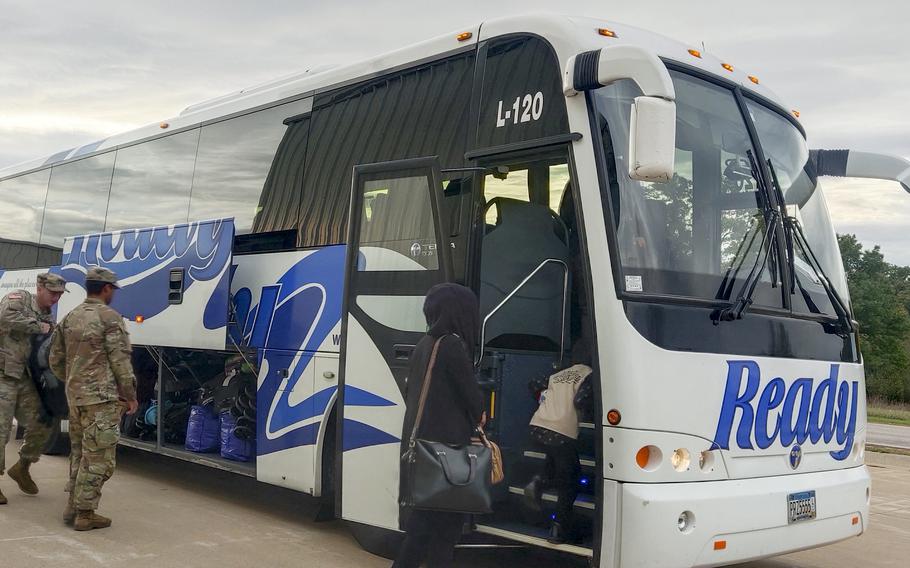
(99, 274)
(53, 282)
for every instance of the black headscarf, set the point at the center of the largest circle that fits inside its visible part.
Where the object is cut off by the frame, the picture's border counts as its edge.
(453, 309)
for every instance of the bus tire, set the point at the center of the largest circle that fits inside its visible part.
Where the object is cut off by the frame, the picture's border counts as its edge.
(376, 540)
(58, 444)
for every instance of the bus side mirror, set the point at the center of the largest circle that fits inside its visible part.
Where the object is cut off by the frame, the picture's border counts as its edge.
(652, 139)
(652, 136)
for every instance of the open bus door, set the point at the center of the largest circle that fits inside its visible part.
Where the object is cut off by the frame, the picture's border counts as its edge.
(397, 251)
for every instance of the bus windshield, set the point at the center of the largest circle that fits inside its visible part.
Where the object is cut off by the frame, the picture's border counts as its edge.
(699, 235)
(785, 147)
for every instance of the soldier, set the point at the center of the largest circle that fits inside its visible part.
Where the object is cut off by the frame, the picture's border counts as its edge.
(91, 352)
(23, 315)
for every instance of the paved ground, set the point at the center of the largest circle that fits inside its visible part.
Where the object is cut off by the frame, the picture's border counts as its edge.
(170, 513)
(888, 435)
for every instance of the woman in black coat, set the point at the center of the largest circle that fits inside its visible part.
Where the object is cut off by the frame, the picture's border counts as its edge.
(453, 409)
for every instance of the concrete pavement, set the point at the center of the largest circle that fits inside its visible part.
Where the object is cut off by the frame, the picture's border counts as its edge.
(171, 513)
(888, 435)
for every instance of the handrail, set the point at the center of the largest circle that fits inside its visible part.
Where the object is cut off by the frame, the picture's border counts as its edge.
(565, 301)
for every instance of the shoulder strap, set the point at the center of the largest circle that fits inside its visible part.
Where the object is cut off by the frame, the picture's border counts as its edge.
(424, 390)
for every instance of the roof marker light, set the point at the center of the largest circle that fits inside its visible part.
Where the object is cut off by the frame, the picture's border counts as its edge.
(727, 66)
(163, 125)
(754, 79)
(695, 53)
(795, 113)
(606, 33)
(464, 36)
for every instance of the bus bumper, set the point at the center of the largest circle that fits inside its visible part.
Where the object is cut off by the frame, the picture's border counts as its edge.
(738, 520)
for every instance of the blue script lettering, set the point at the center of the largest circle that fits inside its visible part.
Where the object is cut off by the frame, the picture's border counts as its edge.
(206, 245)
(805, 412)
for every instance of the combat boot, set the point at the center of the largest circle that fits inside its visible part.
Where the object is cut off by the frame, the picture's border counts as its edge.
(69, 514)
(19, 473)
(3, 500)
(88, 520)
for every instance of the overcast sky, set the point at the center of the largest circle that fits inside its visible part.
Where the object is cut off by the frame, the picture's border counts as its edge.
(71, 73)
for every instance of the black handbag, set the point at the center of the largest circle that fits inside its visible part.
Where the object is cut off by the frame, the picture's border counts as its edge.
(442, 477)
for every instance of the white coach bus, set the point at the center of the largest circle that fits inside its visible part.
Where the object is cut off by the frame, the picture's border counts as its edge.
(611, 195)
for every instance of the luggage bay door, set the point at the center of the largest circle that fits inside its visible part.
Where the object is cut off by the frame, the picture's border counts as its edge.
(174, 280)
(397, 251)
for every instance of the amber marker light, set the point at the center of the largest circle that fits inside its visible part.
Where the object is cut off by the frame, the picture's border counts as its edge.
(606, 33)
(140, 319)
(464, 36)
(754, 79)
(643, 457)
(695, 53)
(795, 113)
(855, 520)
(727, 66)
(720, 545)
(614, 417)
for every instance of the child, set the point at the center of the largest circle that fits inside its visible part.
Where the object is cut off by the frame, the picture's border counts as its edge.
(554, 428)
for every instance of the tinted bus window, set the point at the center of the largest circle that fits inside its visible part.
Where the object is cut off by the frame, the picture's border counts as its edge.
(77, 199)
(151, 184)
(420, 112)
(233, 162)
(20, 224)
(522, 93)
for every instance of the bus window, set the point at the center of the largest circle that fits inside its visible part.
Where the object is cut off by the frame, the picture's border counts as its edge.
(378, 120)
(235, 158)
(77, 199)
(20, 224)
(514, 186)
(161, 167)
(558, 184)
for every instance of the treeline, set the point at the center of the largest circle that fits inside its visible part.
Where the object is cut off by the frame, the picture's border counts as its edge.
(880, 294)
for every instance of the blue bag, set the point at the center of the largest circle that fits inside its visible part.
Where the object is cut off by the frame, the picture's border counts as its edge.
(202, 430)
(232, 447)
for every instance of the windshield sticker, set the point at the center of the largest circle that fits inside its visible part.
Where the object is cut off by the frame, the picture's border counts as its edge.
(634, 284)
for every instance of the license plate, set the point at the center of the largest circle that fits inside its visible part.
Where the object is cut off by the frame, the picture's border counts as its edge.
(801, 506)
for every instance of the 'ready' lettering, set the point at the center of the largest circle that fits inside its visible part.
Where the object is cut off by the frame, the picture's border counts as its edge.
(803, 411)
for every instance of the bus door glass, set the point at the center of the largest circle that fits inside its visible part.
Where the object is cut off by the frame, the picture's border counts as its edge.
(398, 250)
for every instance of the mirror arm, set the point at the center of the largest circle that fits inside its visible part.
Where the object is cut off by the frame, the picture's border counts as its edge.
(868, 165)
(602, 67)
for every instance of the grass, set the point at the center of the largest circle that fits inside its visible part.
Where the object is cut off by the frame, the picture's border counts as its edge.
(887, 450)
(884, 412)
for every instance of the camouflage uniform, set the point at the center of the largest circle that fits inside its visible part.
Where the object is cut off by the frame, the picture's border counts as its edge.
(91, 351)
(20, 319)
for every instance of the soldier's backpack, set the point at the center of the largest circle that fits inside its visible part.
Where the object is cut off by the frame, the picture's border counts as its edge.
(51, 390)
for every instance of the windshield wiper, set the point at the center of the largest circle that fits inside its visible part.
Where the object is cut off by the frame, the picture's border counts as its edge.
(840, 307)
(788, 228)
(736, 310)
(794, 232)
(739, 307)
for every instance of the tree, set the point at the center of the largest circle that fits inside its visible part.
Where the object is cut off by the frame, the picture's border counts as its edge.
(880, 296)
